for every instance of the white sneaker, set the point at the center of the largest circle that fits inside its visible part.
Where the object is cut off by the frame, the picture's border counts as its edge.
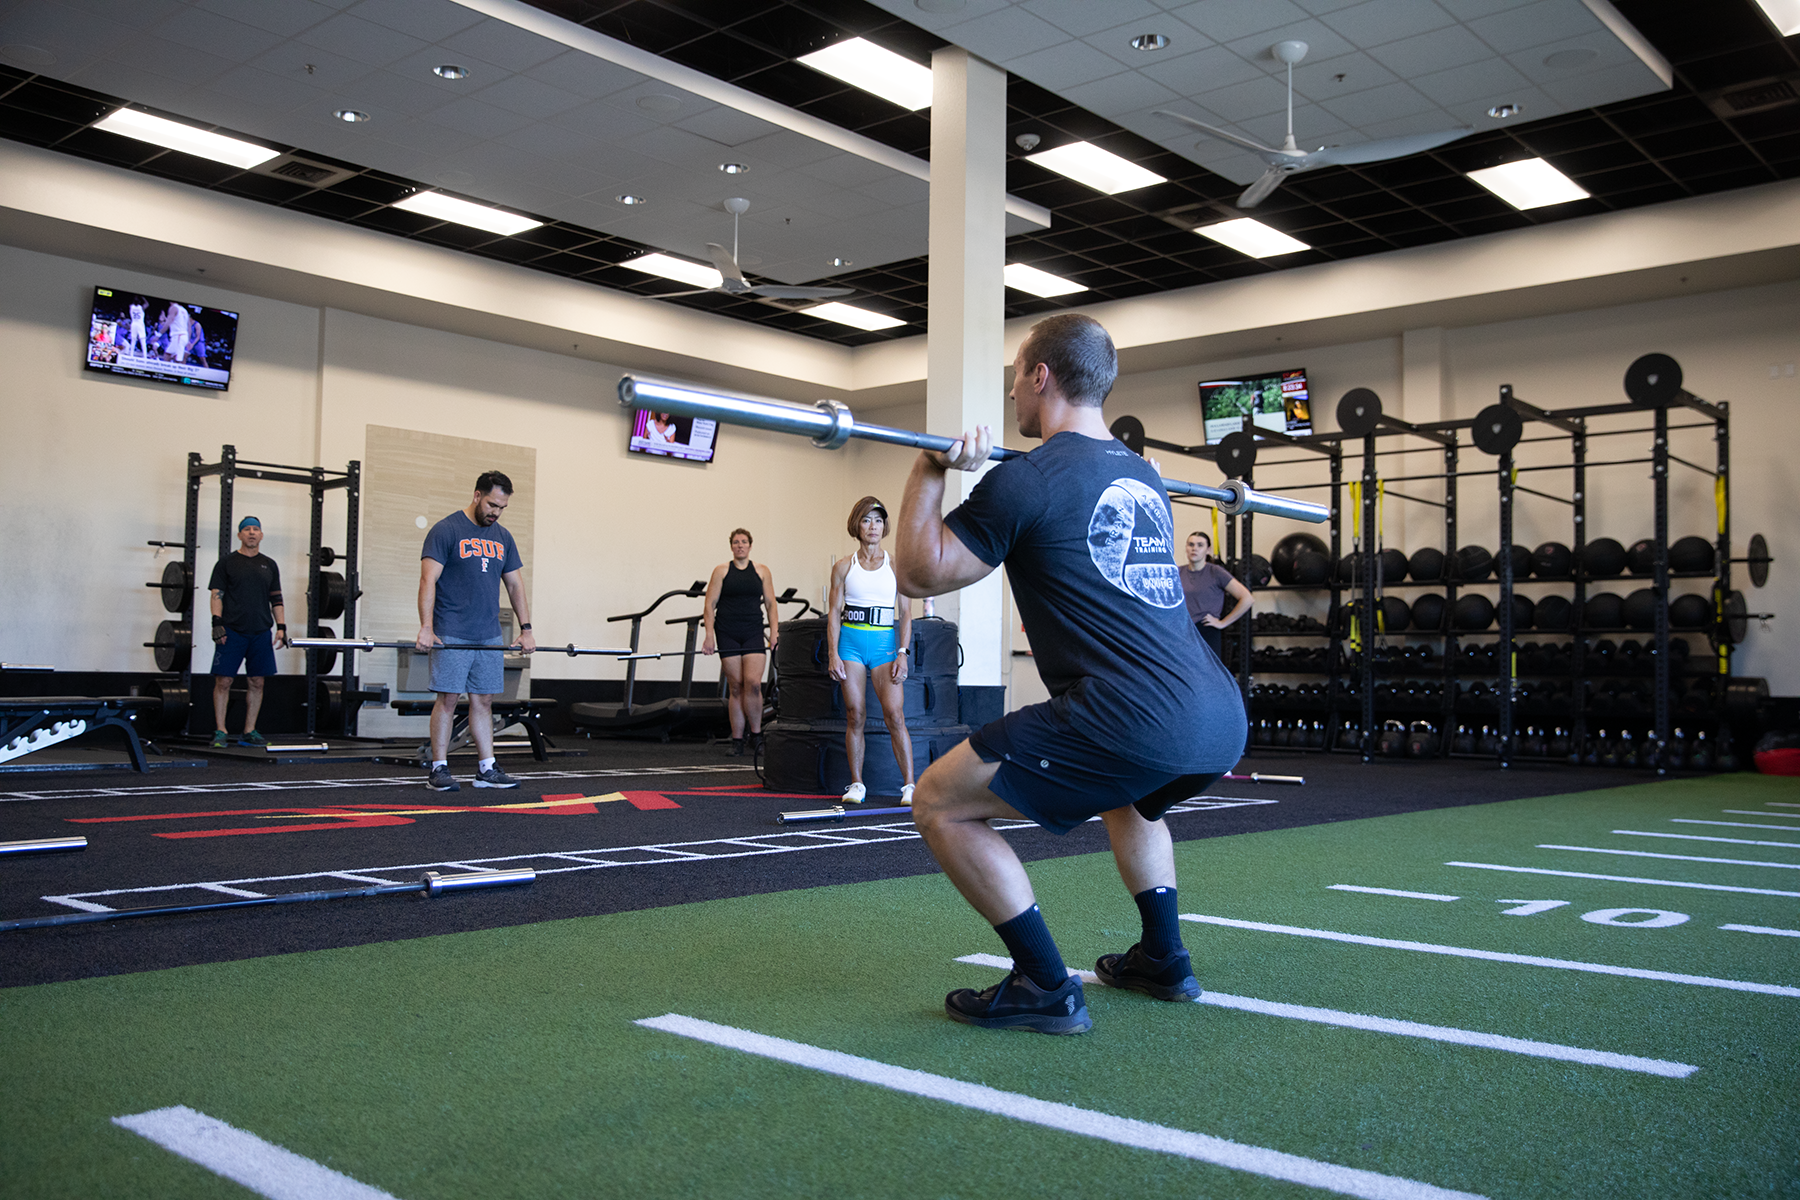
(856, 793)
(906, 795)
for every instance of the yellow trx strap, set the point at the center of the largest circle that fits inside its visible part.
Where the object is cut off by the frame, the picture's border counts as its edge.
(1215, 527)
(1719, 499)
(1355, 511)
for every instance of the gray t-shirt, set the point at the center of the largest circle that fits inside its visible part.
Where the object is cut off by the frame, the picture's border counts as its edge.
(1204, 590)
(468, 592)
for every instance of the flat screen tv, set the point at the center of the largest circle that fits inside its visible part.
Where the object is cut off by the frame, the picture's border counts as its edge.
(1277, 401)
(691, 438)
(148, 337)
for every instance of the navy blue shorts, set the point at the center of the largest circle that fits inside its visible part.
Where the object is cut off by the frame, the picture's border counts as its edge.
(255, 652)
(1059, 777)
(735, 642)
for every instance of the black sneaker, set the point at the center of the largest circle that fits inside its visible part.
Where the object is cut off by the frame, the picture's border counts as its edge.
(1170, 978)
(494, 777)
(737, 748)
(1018, 1003)
(441, 780)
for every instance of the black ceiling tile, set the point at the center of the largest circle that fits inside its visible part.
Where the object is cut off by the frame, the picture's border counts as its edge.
(1563, 136)
(1343, 233)
(908, 131)
(1672, 26)
(1654, 194)
(648, 25)
(373, 188)
(853, 108)
(1416, 168)
(1031, 182)
(1510, 219)
(1373, 202)
(1080, 239)
(1423, 236)
(1687, 141)
(77, 108)
(902, 37)
(459, 237)
(1099, 209)
(792, 84)
(1770, 122)
(556, 236)
(266, 188)
(1388, 224)
(723, 56)
(1329, 185)
(1713, 162)
(1156, 197)
(715, 14)
(330, 204)
(1470, 155)
(1442, 191)
(1075, 125)
(1786, 169)
(110, 147)
(1624, 179)
(1100, 277)
(1736, 67)
(1475, 208)
(35, 128)
(1785, 148)
(1137, 227)
(912, 293)
(189, 169)
(511, 250)
(1365, 246)
(12, 76)
(621, 278)
(394, 220)
(1594, 159)
(1726, 180)
(1676, 112)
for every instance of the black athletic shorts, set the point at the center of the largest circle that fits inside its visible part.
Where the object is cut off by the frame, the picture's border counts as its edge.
(1059, 777)
(734, 642)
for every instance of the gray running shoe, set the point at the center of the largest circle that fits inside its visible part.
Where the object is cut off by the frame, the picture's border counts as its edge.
(494, 777)
(440, 780)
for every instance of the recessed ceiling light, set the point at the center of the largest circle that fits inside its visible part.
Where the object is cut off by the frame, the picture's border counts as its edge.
(353, 116)
(842, 262)
(1783, 14)
(173, 135)
(628, 198)
(849, 314)
(1149, 41)
(450, 71)
(733, 168)
(679, 269)
(1099, 169)
(1039, 283)
(1529, 183)
(1249, 236)
(464, 212)
(1502, 111)
(876, 70)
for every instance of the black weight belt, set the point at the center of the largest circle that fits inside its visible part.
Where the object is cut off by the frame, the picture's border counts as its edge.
(879, 618)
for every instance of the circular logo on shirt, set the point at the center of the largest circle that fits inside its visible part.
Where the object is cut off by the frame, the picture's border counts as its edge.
(1131, 539)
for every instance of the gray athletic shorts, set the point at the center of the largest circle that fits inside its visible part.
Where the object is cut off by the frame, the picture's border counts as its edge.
(477, 672)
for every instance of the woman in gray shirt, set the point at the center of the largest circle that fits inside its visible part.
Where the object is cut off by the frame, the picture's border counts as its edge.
(1205, 585)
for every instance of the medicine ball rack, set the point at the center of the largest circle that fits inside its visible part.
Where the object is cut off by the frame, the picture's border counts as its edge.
(331, 704)
(1652, 383)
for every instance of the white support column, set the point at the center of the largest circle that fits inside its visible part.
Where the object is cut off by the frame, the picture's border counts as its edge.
(965, 368)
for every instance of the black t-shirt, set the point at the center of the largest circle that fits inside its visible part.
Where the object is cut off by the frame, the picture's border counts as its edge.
(248, 581)
(1084, 529)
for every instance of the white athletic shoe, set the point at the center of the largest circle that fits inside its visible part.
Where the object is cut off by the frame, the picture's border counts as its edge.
(856, 793)
(906, 795)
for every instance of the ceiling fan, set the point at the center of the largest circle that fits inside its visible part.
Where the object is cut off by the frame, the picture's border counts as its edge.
(1291, 160)
(732, 281)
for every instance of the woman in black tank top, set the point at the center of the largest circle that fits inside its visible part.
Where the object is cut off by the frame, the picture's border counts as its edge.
(736, 597)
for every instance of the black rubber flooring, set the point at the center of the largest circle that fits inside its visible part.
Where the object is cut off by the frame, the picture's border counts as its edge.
(629, 826)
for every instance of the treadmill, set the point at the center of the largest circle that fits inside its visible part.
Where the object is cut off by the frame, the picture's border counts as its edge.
(658, 718)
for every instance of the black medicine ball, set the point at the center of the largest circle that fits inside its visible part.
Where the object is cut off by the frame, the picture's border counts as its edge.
(1396, 614)
(1393, 566)
(1473, 612)
(1691, 554)
(1604, 610)
(1553, 612)
(1552, 560)
(1521, 563)
(1690, 612)
(1427, 565)
(1603, 558)
(1257, 572)
(1640, 610)
(1641, 558)
(1312, 568)
(1524, 612)
(1349, 568)
(1281, 559)
(1473, 564)
(1428, 612)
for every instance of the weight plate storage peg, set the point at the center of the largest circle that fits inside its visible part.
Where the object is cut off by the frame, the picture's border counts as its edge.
(1497, 429)
(1236, 454)
(1359, 412)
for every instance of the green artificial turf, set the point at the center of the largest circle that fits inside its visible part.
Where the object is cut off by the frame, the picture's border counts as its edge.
(505, 1063)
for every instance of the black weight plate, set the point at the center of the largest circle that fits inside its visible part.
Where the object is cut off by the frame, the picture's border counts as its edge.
(331, 607)
(173, 639)
(1130, 430)
(1359, 412)
(1734, 620)
(1236, 454)
(175, 586)
(327, 556)
(1497, 429)
(327, 659)
(1653, 381)
(1759, 559)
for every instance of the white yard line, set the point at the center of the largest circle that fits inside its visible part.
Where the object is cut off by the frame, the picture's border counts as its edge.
(1701, 837)
(1758, 812)
(1375, 891)
(1742, 862)
(1528, 960)
(1762, 929)
(262, 1167)
(1730, 824)
(1435, 1033)
(1674, 883)
(1105, 1127)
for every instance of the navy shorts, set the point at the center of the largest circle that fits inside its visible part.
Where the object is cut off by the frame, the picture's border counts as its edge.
(255, 652)
(735, 642)
(477, 672)
(1059, 777)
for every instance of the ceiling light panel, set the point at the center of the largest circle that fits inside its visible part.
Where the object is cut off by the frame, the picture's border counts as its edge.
(679, 269)
(1783, 14)
(462, 212)
(1039, 283)
(849, 314)
(1099, 169)
(173, 135)
(879, 71)
(1529, 183)
(1249, 236)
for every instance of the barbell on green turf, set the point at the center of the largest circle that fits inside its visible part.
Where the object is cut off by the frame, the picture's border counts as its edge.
(830, 424)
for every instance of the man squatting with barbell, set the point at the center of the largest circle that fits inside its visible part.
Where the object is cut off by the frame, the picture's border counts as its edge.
(1140, 715)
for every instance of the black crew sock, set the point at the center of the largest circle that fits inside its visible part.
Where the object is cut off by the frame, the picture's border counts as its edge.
(1034, 951)
(1162, 921)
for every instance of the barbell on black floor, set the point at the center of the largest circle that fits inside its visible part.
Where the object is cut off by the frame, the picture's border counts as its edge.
(831, 424)
(430, 884)
(572, 650)
(43, 846)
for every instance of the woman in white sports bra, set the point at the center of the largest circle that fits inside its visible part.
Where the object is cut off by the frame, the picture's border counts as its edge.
(868, 630)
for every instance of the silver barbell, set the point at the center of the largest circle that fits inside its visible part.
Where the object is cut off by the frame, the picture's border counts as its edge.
(830, 424)
(317, 643)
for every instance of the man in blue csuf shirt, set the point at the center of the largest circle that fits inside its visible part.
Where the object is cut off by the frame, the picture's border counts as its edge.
(1140, 715)
(467, 558)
